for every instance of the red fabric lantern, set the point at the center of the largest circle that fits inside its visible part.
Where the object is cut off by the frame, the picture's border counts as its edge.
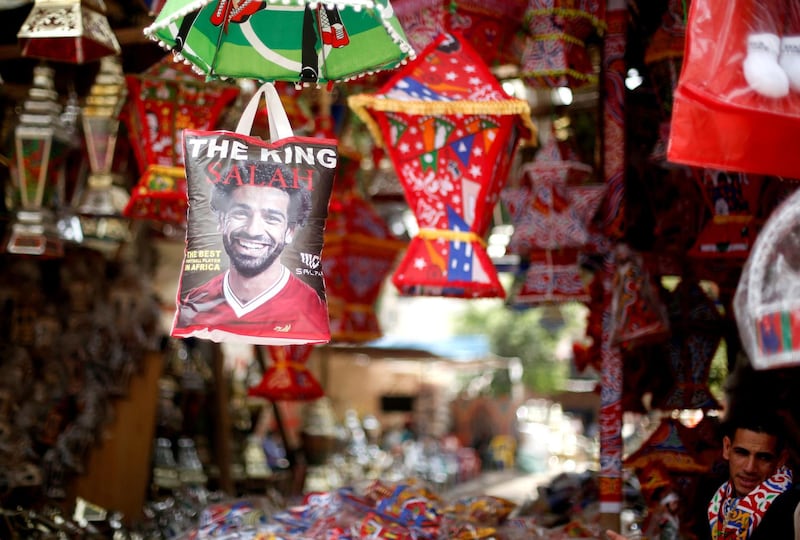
(164, 101)
(489, 25)
(288, 378)
(696, 333)
(451, 133)
(667, 446)
(360, 251)
(551, 210)
(639, 315)
(552, 52)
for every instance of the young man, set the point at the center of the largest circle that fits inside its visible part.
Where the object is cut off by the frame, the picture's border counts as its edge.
(757, 502)
(257, 296)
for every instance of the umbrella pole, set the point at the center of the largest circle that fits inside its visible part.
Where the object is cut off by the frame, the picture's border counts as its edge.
(291, 453)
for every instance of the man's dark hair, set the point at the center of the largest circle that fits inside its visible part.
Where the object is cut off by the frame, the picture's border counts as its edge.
(768, 422)
(299, 198)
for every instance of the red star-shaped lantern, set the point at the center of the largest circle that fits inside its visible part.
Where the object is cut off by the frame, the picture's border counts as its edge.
(164, 101)
(551, 209)
(451, 132)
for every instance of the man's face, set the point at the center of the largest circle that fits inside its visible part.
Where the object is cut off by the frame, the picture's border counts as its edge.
(255, 229)
(752, 458)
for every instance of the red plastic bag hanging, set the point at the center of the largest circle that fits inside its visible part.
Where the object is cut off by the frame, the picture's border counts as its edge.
(737, 103)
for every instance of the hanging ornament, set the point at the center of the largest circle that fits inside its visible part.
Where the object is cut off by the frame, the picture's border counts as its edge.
(168, 98)
(41, 145)
(73, 31)
(552, 51)
(696, 326)
(639, 315)
(103, 199)
(451, 131)
(360, 251)
(551, 207)
(288, 378)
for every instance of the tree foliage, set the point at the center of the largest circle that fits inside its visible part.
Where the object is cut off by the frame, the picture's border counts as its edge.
(532, 335)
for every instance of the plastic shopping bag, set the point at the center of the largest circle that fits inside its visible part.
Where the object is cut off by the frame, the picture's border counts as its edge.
(737, 102)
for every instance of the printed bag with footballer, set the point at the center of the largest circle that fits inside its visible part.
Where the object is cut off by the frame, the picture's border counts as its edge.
(252, 270)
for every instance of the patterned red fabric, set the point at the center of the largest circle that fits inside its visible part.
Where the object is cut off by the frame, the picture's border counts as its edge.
(733, 227)
(360, 251)
(552, 52)
(639, 315)
(666, 446)
(488, 25)
(451, 131)
(288, 378)
(164, 100)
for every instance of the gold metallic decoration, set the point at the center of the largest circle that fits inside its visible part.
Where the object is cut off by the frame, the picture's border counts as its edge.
(102, 199)
(72, 31)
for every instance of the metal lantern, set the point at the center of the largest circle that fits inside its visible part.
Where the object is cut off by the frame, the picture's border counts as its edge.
(102, 199)
(73, 31)
(41, 143)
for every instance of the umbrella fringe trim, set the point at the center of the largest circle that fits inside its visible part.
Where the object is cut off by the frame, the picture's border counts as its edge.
(360, 102)
(386, 14)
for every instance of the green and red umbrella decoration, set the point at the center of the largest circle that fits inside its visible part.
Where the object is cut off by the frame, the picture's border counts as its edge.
(451, 132)
(298, 41)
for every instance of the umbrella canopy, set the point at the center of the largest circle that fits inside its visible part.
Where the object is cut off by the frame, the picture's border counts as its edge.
(451, 132)
(283, 40)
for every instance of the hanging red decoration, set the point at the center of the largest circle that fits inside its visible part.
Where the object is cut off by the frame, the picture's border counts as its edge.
(666, 446)
(551, 52)
(451, 132)
(696, 333)
(551, 208)
(733, 227)
(288, 378)
(488, 25)
(639, 315)
(360, 251)
(165, 100)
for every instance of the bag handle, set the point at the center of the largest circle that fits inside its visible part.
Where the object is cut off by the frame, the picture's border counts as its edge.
(279, 126)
